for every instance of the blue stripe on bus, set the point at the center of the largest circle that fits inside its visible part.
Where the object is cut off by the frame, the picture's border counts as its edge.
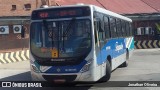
(114, 48)
(66, 69)
(131, 47)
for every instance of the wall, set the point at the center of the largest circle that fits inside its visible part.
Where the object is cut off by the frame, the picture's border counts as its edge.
(6, 7)
(153, 33)
(13, 41)
(19, 16)
(147, 38)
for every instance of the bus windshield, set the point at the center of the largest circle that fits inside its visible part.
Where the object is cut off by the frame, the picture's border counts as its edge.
(68, 38)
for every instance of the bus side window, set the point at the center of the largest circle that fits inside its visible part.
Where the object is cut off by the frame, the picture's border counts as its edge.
(95, 31)
(127, 29)
(95, 36)
(106, 27)
(113, 27)
(118, 23)
(123, 29)
(101, 30)
(99, 23)
(130, 28)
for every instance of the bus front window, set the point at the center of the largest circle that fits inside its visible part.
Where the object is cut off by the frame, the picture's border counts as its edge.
(69, 38)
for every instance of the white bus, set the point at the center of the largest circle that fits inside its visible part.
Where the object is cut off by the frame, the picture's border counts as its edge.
(78, 43)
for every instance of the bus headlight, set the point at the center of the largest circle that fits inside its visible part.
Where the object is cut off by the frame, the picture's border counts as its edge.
(87, 66)
(34, 68)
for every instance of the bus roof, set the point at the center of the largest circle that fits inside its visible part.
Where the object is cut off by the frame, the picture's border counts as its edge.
(96, 8)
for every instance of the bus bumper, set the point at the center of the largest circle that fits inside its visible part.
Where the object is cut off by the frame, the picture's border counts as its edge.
(71, 77)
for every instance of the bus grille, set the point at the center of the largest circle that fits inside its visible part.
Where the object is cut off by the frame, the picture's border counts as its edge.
(68, 78)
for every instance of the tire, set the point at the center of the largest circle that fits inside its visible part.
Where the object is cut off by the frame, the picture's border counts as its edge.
(108, 73)
(125, 64)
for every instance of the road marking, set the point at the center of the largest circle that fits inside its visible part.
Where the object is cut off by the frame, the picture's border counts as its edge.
(27, 54)
(149, 43)
(17, 56)
(12, 57)
(1, 58)
(138, 44)
(6, 58)
(154, 44)
(143, 44)
(23, 56)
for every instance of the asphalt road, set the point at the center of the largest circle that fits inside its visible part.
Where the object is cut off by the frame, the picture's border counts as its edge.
(144, 65)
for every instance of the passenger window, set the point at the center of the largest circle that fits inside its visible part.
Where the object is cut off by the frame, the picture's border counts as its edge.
(106, 27)
(113, 27)
(123, 28)
(127, 29)
(118, 23)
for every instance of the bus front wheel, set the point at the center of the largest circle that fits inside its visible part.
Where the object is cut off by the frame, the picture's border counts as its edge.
(108, 73)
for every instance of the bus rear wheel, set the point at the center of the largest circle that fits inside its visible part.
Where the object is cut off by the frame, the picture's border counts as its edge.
(108, 73)
(125, 64)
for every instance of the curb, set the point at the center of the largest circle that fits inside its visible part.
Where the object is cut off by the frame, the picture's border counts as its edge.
(12, 57)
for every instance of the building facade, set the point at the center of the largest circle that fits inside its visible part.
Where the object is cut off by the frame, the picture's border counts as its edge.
(15, 14)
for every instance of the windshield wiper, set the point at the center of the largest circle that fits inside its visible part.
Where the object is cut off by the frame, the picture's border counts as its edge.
(69, 26)
(71, 23)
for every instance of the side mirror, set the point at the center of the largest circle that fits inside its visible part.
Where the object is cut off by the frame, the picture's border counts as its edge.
(22, 32)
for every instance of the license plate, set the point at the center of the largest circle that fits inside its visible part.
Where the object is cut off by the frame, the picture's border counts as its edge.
(59, 81)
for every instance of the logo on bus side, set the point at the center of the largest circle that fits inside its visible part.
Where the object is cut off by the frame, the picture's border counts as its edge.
(118, 47)
(108, 48)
